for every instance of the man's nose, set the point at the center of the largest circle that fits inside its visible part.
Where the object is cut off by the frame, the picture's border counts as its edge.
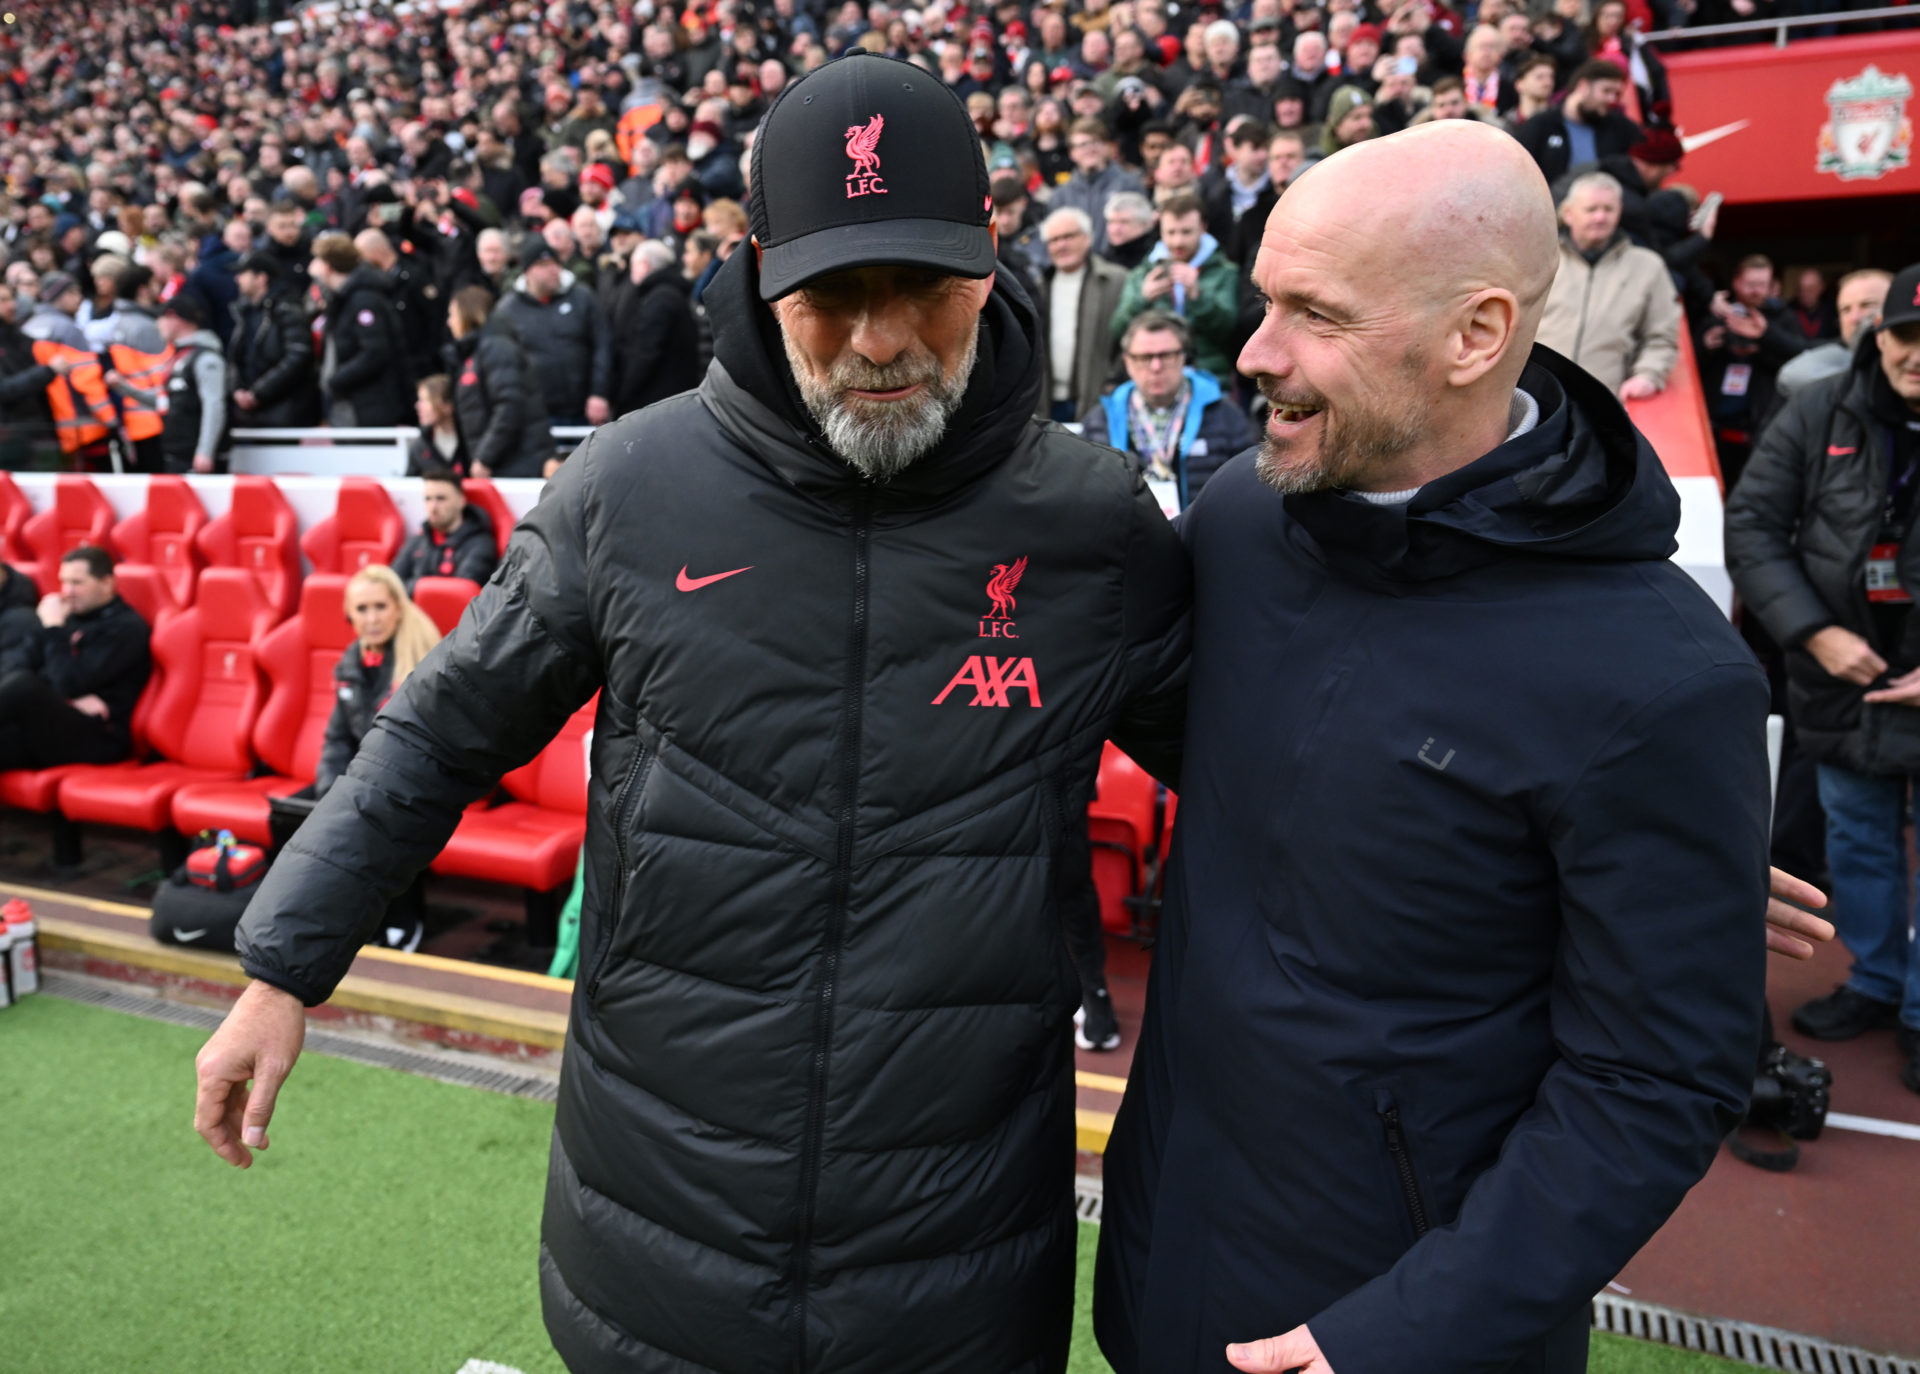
(882, 331)
(1266, 353)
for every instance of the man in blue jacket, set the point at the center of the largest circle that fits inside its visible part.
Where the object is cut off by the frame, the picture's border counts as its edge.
(1459, 985)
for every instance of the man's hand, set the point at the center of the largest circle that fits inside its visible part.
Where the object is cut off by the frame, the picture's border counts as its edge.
(203, 462)
(90, 706)
(259, 1040)
(1846, 656)
(1156, 284)
(61, 366)
(52, 611)
(1715, 337)
(113, 378)
(1790, 930)
(1184, 274)
(1747, 324)
(598, 411)
(1902, 691)
(1295, 1350)
(1638, 388)
(243, 399)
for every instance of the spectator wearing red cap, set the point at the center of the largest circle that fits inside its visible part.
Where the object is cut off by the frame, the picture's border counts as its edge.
(1642, 171)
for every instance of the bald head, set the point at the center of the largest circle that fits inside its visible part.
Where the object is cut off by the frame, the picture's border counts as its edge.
(375, 249)
(1383, 377)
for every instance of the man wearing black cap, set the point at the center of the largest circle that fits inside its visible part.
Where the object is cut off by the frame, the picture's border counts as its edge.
(859, 623)
(1817, 535)
(195, 407)
(271, 362)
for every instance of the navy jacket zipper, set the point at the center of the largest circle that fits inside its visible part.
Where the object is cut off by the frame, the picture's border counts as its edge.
(849, 761)
(1403, 1166)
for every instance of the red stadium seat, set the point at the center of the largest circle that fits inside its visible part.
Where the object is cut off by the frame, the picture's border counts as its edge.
(203, 718)
(15, 511)
(486, 495)
(444, 599)
(142, 587)
(533, 841)
(161, 537)
(258, 533)
(298, 658)
(365, 527)
(1121, 826)
(79, 515)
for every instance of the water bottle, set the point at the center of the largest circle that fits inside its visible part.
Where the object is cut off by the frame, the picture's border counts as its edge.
(6, 967)
(23, 965)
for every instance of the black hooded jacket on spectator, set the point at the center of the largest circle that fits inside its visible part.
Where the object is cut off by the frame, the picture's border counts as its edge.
(1429, 1104)
(369, 383)
(819, 1107)
(471, 551)
(272, 356)
(497, 402)
(569, 341)
(1800, 525)
(659, 352)
(23, 383)
(1545, 137)
(101, 653)
(19, 625)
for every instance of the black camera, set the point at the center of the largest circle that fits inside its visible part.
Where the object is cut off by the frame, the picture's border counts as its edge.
(1791, 1094)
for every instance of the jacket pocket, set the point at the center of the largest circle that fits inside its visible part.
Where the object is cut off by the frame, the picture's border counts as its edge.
(624, 802)
(1400, 1153)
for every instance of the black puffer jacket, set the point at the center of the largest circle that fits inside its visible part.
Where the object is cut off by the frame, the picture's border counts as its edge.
(368, 386)
(817, 1109)
(498, 404)
(659, 353)
(272, 356)
(471, 551)
(569, 341)
(360, 689)
(1800, 526)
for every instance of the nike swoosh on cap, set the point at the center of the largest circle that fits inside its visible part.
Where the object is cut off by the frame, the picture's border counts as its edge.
(694, 584)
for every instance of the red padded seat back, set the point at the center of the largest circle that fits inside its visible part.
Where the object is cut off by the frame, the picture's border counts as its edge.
(163, 535)
(444, 599)
(259, 533)
(298, 658)
(365, 527)
(557, 776)
(79, 515)
(140, 587)
(210, 687)
(484, 494)
(15, 510)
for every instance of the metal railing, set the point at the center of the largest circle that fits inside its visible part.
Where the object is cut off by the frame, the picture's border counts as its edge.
(1778, 27)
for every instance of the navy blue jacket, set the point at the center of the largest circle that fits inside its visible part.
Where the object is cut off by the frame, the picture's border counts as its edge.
(1460, 975)
(1216, 429)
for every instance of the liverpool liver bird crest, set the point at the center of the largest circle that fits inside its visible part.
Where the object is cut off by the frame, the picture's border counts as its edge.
(862, 145)
(1000, 588)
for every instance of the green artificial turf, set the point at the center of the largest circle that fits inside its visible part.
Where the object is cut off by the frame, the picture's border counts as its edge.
(393, 1226)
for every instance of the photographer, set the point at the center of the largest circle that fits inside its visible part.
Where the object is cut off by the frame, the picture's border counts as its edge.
(1817, 536)
(1741, 349)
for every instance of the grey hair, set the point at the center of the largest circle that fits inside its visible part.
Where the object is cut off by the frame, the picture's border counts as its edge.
(656, 253)
(1073, 215)
(1224, 28)
(1601, 181)
(1129, 205)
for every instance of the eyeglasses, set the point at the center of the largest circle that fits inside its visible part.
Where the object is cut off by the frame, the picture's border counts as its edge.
(1171, 358)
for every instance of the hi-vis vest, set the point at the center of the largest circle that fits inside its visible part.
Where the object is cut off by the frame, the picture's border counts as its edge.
(633, 127)
(148, 372)
(83, 412)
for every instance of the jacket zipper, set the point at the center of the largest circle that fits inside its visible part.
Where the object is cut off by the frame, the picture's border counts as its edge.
(629, 790)
(1403, 1166)
(815, 1130)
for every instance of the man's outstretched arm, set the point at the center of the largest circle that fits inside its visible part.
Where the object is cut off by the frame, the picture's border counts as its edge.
(490, 697)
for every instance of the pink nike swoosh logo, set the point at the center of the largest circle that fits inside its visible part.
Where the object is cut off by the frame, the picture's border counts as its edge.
(1833, 452)
(694, 584)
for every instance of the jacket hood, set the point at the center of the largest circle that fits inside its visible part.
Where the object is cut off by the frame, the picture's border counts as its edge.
(751, 390)
(362, 278)
(567, 279)
(203, 338)
(1582, 484)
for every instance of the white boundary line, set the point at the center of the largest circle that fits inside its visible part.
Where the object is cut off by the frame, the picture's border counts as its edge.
(1873, 1125)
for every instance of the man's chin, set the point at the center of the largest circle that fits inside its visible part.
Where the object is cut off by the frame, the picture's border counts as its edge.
(1290, 467)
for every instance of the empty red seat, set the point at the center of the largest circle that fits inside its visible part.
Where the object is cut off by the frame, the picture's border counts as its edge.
(298, 658)
(365, 527)
(484, 494)
(15, 511)
(202, 720)
(161, 536)
(444, 599)
(78, 515)
(258, 533)
(142, 587)
(1121, 826)
(533, 841)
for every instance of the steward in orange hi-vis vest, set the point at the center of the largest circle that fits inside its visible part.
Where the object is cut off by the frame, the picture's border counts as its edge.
(147, 372)
(83, 413)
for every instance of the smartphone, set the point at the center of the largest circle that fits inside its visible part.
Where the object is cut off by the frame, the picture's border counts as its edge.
(1708, 204)
(1407, 66)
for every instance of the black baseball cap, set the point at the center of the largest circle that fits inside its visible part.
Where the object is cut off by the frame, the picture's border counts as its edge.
(188, 308)
(875, 163)
(536, 249)
(1903, 298)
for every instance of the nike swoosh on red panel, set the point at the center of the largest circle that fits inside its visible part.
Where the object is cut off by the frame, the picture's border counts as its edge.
(694, 584)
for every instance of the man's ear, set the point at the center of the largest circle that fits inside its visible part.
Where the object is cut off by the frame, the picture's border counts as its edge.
(757, 254)
(1487, 329)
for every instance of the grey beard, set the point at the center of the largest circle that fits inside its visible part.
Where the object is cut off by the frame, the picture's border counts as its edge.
(882, 439)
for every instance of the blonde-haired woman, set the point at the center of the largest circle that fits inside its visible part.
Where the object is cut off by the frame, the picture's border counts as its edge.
(391, 636)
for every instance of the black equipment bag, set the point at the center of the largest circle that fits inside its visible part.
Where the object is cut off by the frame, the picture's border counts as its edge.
(184, 913)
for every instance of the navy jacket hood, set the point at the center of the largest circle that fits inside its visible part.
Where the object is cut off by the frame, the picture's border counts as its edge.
(1582, 483)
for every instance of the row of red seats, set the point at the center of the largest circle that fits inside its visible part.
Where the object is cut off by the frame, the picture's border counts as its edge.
(161, 549)
(241, 692)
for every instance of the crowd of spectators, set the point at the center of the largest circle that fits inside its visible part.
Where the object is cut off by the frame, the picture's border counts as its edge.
(496, 217)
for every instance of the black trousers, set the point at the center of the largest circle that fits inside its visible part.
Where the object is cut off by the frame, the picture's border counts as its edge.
(39, 730)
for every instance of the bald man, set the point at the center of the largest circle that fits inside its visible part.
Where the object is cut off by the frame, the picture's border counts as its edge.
(414, 296)
(1459, 982)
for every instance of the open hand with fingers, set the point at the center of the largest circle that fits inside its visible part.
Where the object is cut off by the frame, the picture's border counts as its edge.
(241, 1069)
(1295, 1350)
(1791, 931)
